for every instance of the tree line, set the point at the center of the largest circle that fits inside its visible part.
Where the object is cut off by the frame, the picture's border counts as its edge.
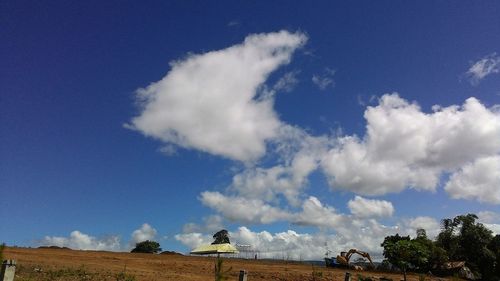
(460, 239)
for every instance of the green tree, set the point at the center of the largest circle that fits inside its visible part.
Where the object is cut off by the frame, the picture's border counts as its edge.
(404, 253)
(437, 256)
(464, 239)
(494, 246)
(147, 247)
(221, 237)
(421, 234)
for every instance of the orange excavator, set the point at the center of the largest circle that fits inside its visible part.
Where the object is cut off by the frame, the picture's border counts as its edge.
(344, 257)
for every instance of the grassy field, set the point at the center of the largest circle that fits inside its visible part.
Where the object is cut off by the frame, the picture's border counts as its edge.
(72, 265)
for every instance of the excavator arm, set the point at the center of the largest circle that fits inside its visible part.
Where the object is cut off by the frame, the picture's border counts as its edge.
(344, 258)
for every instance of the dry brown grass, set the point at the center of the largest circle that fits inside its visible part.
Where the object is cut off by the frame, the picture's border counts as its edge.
(71, 265)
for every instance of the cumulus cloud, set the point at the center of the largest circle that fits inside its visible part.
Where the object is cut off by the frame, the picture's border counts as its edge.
(81, 241)
(350, 231)
(267, 183)
(491, 220)
(211, 101)
(367, 208)
(403, 147)
(314, 213)
(488, 65)
(218, 102)
(488, 217)
(494, 227)
(406, 147)
(301, 154)
(478, 180)
(431, 226)
(340, 231)
(145, 232)
(243, 210)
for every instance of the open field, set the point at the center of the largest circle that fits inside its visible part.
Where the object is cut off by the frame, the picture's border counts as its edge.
(62, 264)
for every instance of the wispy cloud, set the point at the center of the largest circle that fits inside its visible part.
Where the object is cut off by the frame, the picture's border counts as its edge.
(233, 23)
(287, 82)
(479, 70)
(324, 80)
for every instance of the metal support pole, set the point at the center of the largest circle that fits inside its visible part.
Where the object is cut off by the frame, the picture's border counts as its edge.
(243, 275)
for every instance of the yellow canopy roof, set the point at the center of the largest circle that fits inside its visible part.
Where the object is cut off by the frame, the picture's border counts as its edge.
(215, 249)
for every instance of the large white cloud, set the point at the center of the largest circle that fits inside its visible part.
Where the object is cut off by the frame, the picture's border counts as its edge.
(478, 180)
(406, 147)
(367, 208)
(81, 241)
(211, 101)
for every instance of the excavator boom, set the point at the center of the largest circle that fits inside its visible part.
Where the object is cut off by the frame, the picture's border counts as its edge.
(344, 257)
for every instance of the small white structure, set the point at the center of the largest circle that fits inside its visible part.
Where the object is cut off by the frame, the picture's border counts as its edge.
(218, 249)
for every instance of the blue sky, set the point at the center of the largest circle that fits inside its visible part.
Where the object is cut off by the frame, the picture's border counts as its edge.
(248, 89)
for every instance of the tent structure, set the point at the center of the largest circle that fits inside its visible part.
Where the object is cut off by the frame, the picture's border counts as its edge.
(218, 249)
(225, 248)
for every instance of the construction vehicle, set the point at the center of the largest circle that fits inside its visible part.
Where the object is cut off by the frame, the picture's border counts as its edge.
(344, 257)
(342, 260)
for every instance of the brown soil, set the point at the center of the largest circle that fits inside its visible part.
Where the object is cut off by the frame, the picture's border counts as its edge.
(65, 264)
